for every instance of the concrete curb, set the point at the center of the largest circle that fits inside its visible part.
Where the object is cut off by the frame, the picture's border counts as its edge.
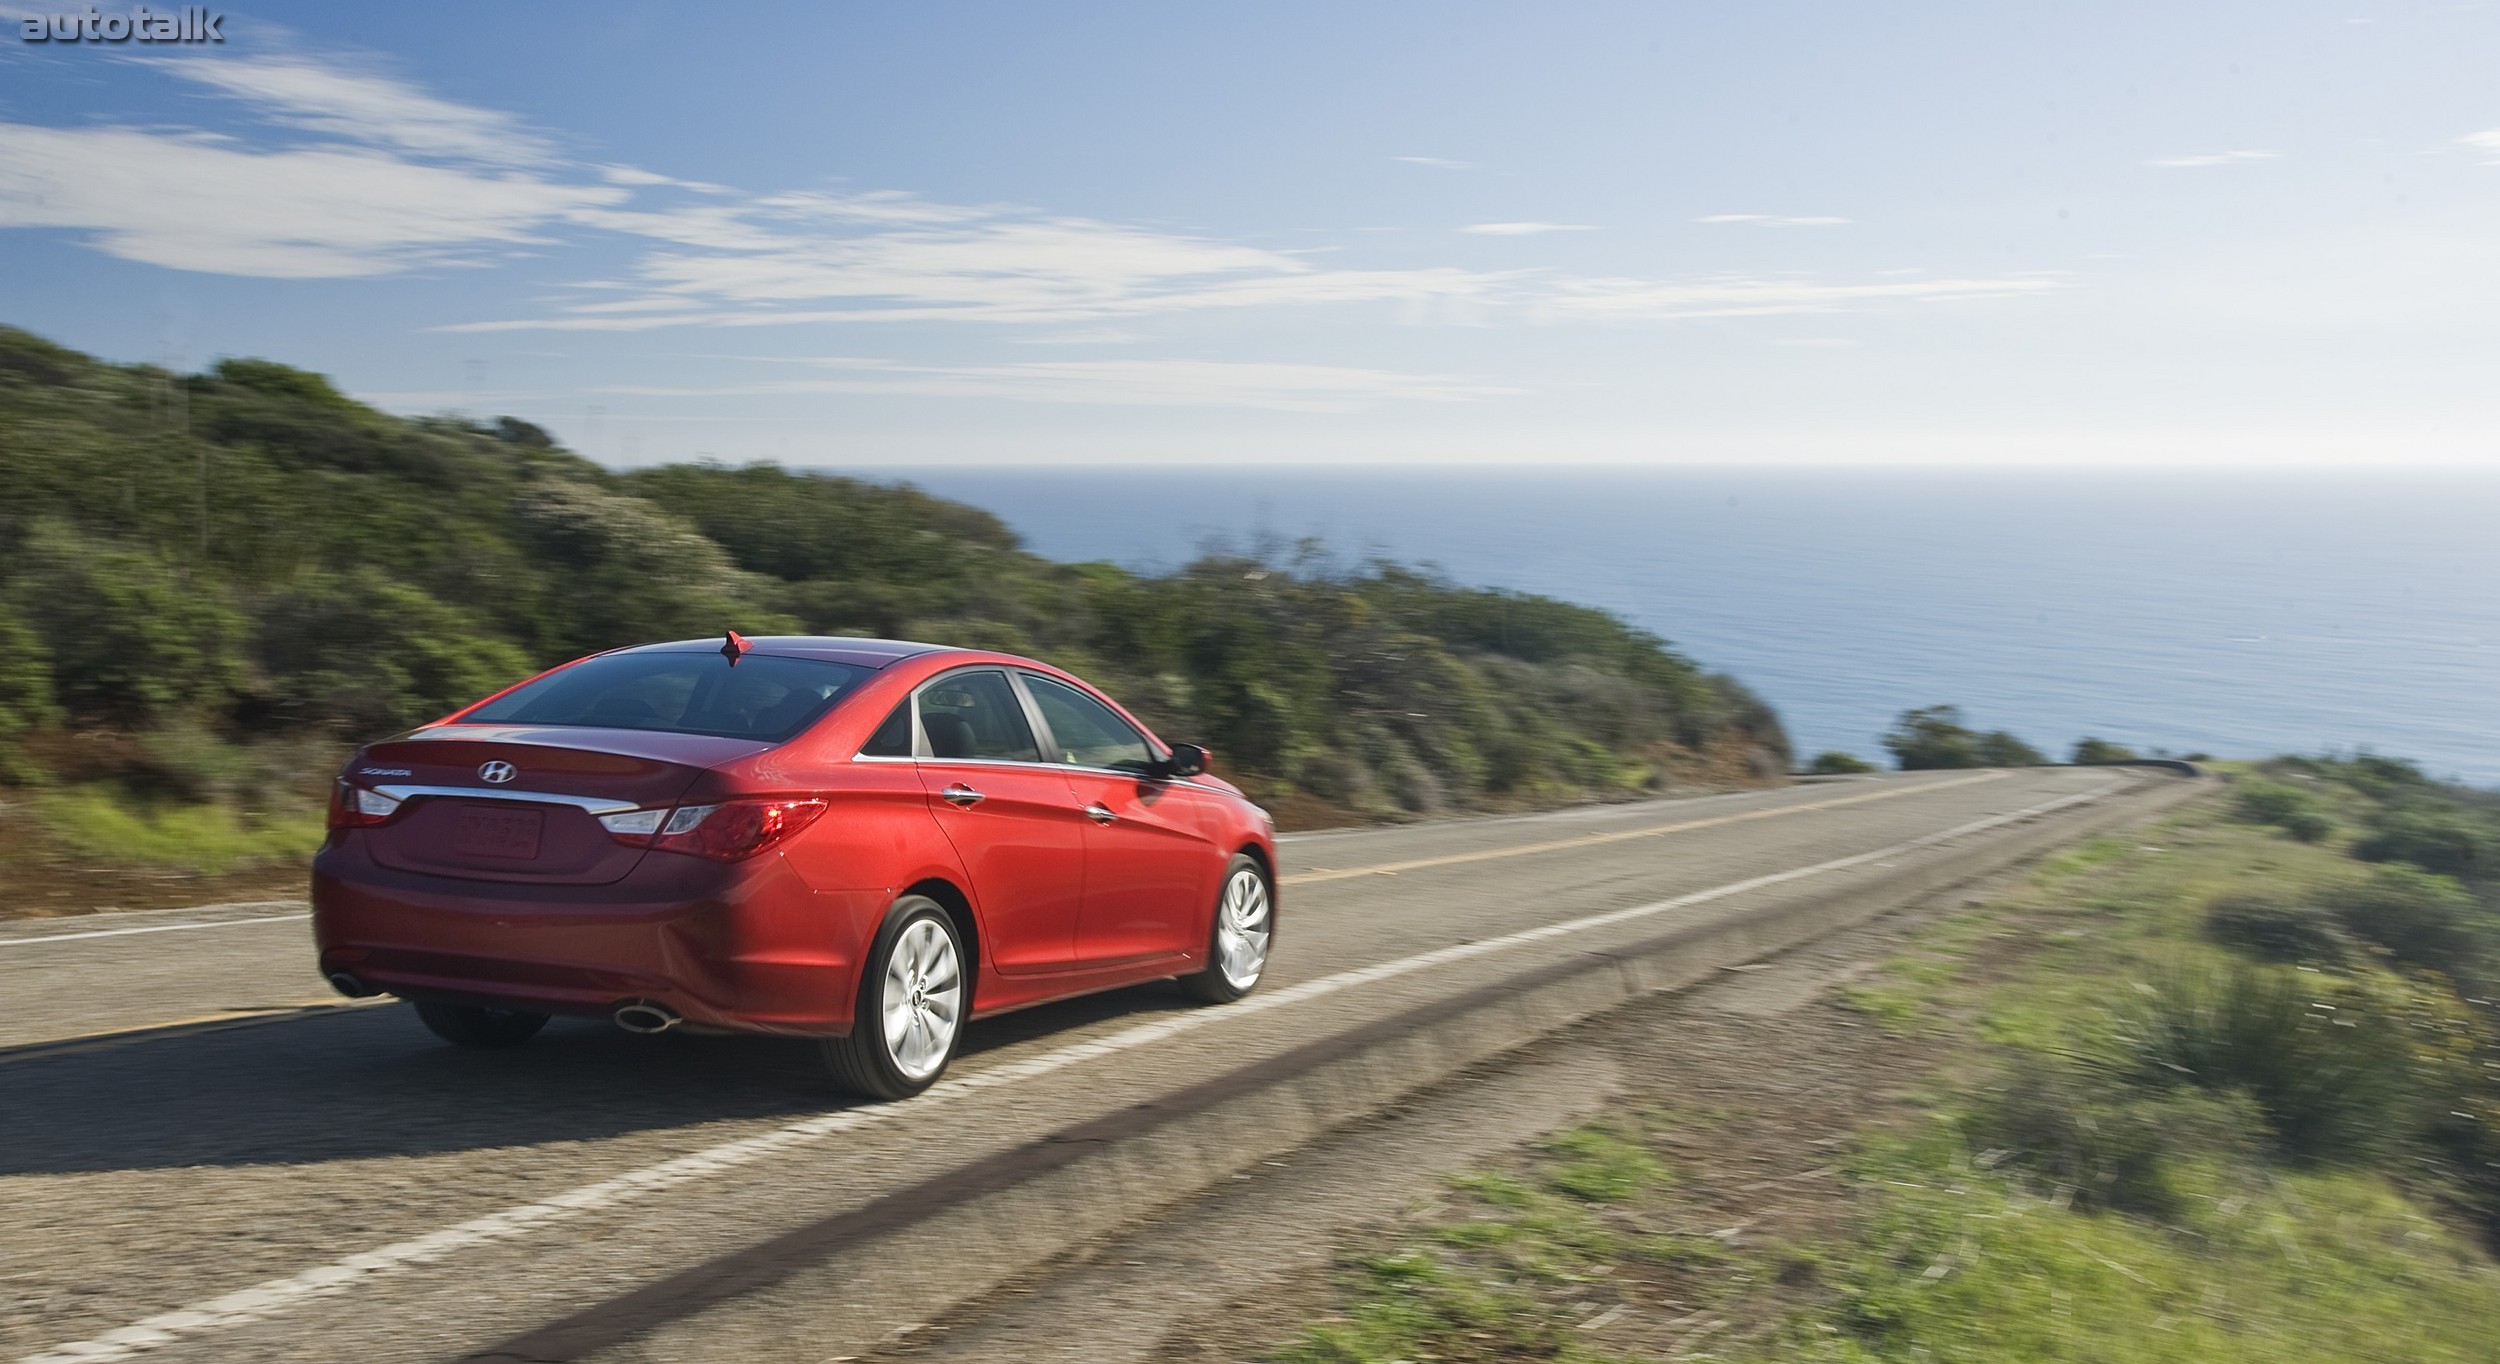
(851, 1282)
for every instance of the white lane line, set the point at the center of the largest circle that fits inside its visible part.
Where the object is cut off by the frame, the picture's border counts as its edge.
(152, 928)
(274, 1296)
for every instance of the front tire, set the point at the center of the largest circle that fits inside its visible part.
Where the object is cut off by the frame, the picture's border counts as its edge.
(1245, 926)
(912, 1002)
(469, 1025)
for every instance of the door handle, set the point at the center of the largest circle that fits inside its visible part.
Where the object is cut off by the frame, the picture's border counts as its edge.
(1099, 813)
(961, 796)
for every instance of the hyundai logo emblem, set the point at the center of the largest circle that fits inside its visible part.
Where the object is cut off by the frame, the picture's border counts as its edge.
(497, 771)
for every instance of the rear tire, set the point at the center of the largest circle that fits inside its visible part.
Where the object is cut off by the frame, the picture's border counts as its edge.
(1238, 942)
(468, 1025)
(913, 998)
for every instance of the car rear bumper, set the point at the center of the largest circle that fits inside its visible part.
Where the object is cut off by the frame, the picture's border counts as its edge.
(749, 947)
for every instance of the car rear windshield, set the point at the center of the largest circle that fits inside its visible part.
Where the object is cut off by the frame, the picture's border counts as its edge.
(761, 698)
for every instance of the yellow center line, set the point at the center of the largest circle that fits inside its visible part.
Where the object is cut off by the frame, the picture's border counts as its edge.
(1307, 878)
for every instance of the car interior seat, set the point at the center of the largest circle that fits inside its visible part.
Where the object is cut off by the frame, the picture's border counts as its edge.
(950, 736)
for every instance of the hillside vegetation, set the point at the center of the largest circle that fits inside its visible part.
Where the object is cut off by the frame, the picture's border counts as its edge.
(2221, 1089)
(211, 583)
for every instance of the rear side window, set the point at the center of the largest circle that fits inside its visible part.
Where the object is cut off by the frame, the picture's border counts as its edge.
(1090, 734)
(893, 738)
(976, 715)
(761, 698)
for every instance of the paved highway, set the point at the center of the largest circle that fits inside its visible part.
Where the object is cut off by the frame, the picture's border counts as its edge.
(252, 1183)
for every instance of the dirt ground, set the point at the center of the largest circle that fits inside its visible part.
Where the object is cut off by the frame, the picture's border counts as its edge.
(1753, 1091)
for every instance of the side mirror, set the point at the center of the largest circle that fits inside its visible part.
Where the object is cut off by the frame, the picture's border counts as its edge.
(1187, 760)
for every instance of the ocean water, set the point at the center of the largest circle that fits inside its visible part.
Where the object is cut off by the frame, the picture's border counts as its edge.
(2234, 614)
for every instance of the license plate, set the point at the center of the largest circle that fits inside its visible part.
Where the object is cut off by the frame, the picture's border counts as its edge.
(511, 834)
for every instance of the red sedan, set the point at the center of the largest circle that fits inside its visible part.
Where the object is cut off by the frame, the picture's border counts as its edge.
(864, 841)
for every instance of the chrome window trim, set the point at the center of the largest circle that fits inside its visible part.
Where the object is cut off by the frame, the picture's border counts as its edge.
(1024, 705)
(1058, 754)
(1043, 739)
(594, 804)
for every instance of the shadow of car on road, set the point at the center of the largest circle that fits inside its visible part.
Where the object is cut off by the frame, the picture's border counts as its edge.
(370, 1083)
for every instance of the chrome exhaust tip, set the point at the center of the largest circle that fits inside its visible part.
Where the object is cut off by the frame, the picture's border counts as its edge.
(346, 983)
(643, 1016)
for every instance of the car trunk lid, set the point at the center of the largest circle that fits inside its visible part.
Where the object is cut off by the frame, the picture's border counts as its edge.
(522, 803)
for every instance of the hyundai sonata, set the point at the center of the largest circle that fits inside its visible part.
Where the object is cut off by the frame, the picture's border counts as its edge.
(863, 841)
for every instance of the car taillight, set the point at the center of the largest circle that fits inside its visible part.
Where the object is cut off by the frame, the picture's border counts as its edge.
(354, 807)
(645, 828)
(725, 832)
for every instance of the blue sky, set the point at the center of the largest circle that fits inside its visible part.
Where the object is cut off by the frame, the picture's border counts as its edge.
(889, 234)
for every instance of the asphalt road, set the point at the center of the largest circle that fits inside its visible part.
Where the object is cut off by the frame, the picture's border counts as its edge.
(336, 1184)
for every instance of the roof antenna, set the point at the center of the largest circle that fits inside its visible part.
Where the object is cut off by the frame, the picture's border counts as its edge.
(734, 648)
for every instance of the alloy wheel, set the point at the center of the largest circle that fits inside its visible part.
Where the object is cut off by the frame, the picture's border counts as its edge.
(923, 999)
(1242, 928)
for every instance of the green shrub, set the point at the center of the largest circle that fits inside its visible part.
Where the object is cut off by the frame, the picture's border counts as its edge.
(2420, 918)
(1933, 737)
(2094, 752)
(132, 641)
(2116, 1146)
(371, 655)
(2276, 929)
(2324, 1064)
(25, 680)
(1834, 763)
(2450, 842)
(2294, 811)
(1996, 748)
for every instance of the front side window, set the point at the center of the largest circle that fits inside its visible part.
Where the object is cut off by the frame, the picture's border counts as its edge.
(763, 698)
(976, 715)
(1090, 734)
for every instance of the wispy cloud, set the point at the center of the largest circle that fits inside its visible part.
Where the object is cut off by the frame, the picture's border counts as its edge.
(1634, 300)
(889, 257)
(1123, 383)
(380, 176)
(394, 179)
(366, 107)
(2233, 158)
(191, 202)
(1436, 162)
(2487, 141)
(1524, 229)
(640, 178)
(1775, 219)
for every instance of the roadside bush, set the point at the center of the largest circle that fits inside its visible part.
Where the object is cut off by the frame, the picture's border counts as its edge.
(1834, 763)
(2094, 752)
(1997, 748)
(2294, 811)
(2420, 918)
(2324, 1065)
(1933, 737)
(369, 655)
(2278, 930)
(25, 680)
(2449, 842)
(131, 640)
(2117, 1147)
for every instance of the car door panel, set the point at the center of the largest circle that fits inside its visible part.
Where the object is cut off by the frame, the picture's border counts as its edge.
(1149, 869)
(1150, 862)
(1009, 816)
